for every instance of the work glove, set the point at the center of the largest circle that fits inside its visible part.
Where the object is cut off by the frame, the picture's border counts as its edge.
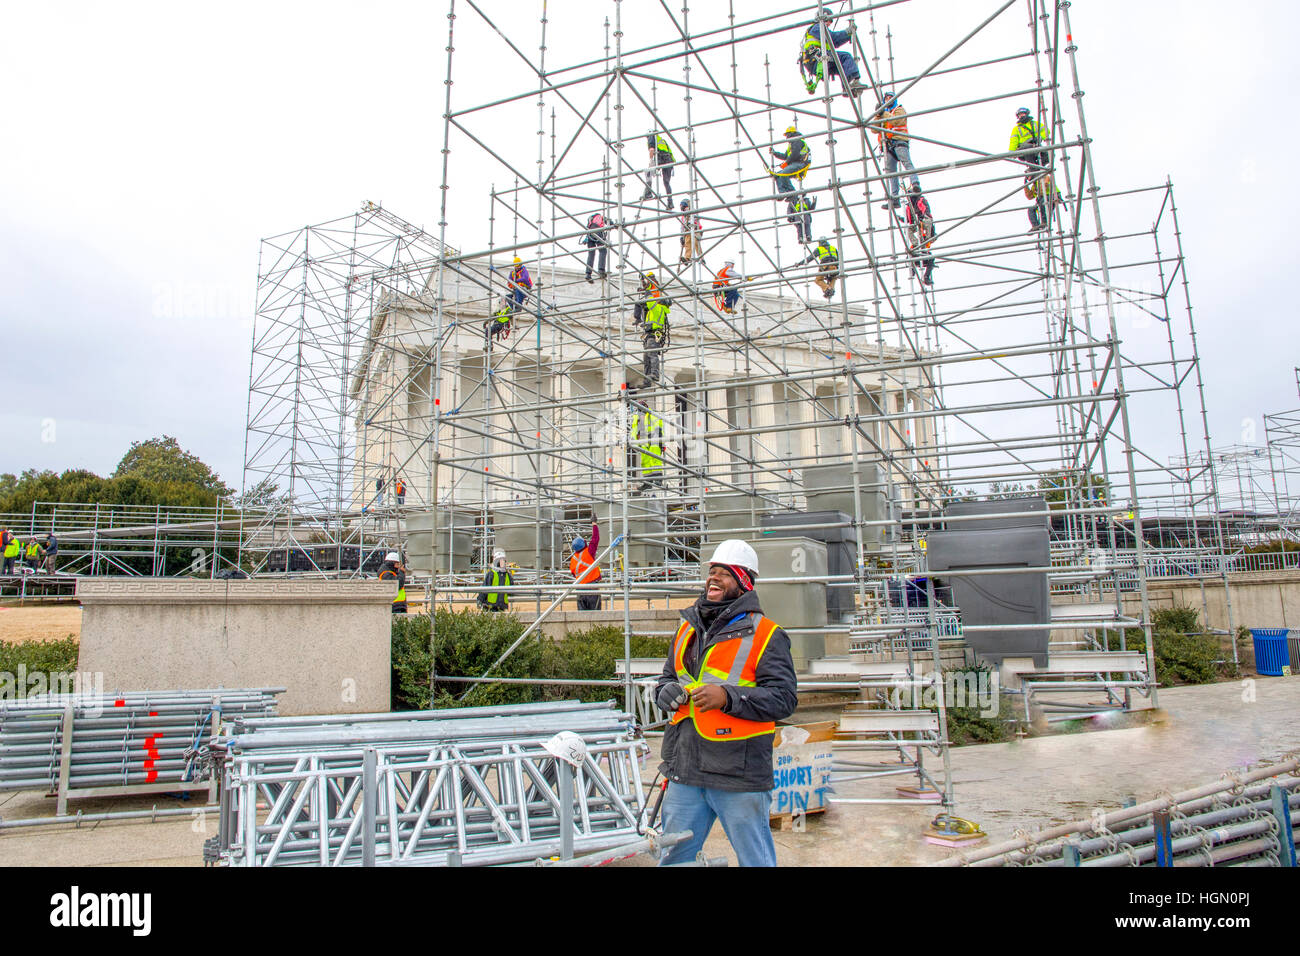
(810, 85)
(670, 697)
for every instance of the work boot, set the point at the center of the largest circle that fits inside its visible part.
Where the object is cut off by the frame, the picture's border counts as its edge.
(855, 87)
(589, 278)
(893, 204)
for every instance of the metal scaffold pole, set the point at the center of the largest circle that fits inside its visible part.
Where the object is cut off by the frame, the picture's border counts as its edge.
(865, 429)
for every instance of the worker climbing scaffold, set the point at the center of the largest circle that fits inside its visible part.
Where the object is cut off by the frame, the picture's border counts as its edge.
(725, 294)
(841, 62)
(654, 337)
(497, 327)
(795, 161)
(890, 123)
(920, 231)
(661, 159)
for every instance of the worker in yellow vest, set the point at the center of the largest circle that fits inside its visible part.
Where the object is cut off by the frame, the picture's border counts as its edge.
(496, 582)
(393, 570)
(585, 570)
(648, 436)
(827, 258)
(728, 679)
(33, 554)
(12, 549)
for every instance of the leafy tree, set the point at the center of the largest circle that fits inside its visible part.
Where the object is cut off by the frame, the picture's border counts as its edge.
(998, 490)
(163, 460)
(263, 496)
(85, 487)
(1056, 486)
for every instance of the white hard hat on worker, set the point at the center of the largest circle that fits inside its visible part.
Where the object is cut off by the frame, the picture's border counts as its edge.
(739, 559)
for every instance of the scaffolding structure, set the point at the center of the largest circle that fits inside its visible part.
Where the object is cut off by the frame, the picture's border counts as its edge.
(1061, 363)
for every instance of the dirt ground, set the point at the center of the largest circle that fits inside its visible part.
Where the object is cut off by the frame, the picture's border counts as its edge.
(39, 623)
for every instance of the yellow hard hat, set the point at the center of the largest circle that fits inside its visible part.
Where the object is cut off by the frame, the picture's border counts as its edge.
(791, 129)
(518, 260)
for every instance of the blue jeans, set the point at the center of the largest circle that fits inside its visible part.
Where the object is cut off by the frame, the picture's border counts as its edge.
(743, 816)
(842, 63)
(730, 297)
(784, 184)
(518, 296)
(895, 156)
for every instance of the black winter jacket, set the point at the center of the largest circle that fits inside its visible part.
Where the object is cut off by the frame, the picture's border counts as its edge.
(737, 765)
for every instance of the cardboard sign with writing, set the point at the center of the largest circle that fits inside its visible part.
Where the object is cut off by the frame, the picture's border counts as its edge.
(801, 768)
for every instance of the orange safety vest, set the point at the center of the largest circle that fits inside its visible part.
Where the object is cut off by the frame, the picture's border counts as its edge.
(584, 569)
(733, 661)
(895, 125)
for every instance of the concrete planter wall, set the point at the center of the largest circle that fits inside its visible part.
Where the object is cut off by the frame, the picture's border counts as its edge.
(327, 642)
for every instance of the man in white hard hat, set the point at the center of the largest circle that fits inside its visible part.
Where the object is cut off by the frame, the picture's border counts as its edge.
(393, 569)
(728, 679)
(496, 581)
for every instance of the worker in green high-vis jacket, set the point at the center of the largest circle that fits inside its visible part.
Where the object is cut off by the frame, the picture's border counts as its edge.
(496, 582)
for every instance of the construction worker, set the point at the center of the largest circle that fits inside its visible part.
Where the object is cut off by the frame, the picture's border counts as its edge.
(920, 227)
(648, 436)
(891, 134)
(654, 337)
(692, 234)
(597, 241)
(379, 492)
(1029, 136)
(728, 679)
(724, 295)
(841, 62)
(393, 569)
(519, 282)
(33, 556)
(399, 489)
(50, 551)
(496, 581)
(499, 325)
(828, 258)
(794, 161)
(648, 290)
(11, 551)
(661, 156)
(799, 208)
(585, 570)
(1040, 187)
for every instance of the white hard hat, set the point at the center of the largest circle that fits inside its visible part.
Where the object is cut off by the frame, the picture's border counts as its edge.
(729, 262)
(735, 551)
(498, 554)
(392, 556)
(567, 746)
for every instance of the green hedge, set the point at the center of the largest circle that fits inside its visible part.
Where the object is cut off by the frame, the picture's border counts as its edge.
(469, 641)
(1183, 655)
(968, 725)
(36, 657)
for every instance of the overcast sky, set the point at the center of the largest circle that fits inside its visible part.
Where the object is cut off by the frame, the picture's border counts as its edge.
(150, 147)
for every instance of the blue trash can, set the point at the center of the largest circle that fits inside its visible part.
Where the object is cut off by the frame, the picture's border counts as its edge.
(1270, 650)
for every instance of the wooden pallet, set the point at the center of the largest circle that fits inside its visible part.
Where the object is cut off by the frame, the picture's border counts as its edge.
(785, 821)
